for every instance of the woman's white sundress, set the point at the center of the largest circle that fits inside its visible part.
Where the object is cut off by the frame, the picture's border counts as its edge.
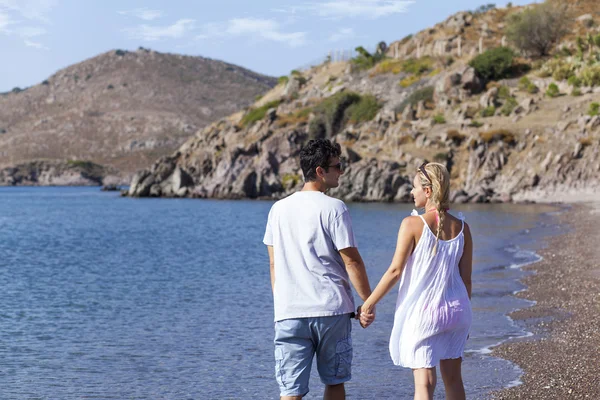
(433, 311)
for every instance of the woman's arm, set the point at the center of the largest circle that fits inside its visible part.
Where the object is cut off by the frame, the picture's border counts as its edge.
(465, 264)
(404, 247)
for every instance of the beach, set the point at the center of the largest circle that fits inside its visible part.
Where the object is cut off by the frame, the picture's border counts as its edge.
(562, 358)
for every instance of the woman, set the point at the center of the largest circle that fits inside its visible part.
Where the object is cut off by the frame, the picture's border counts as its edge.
(433, 261)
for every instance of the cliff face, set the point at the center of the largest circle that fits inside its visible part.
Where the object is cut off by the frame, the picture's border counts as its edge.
(122, 109)
(501, 141)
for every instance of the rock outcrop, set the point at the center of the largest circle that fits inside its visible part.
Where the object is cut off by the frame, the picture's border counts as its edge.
(54, 173)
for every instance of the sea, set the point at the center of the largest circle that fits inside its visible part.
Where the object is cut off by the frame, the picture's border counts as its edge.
(107, 297)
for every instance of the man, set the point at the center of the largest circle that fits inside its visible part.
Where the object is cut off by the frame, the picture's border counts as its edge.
(313, 258)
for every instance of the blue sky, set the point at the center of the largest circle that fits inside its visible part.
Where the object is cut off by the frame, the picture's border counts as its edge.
(39, 37)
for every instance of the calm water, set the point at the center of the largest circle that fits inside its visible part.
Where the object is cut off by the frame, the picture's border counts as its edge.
(113, 298)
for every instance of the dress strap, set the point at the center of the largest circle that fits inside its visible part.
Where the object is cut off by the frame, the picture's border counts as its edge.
(461, 216)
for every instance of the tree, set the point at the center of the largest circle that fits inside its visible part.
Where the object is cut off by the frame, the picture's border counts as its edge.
(536, 30)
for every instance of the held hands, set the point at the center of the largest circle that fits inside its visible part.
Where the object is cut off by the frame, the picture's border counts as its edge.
(366, 317)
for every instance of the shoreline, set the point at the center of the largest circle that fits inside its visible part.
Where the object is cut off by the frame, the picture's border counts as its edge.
(561, 359)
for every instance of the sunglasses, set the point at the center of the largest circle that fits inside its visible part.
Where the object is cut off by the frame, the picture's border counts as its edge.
(422, 169)
(340, 166)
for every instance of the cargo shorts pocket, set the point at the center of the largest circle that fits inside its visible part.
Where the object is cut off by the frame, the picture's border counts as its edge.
(279, 373)
(343, 358)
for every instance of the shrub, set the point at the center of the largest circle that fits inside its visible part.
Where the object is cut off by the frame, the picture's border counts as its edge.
(283, 79)
(363, 111)
(563, 72)
(493, 64)
(509, 105)
(497, 135)
(440, 157)
(574, 81)
(532, 88)
(455, 136)
(484, 8)
(317, 129)
(576, 92)
(45, 83)
(417, 66)
(366, 60)
(333, 112)
(86, 165)
(423, 94)
(110, 87)
(488, 112)
(504, 92)
(120, 52)
(256, 114)
(594, 109)
(590, 76)
(537, 29)
(387, 66)
(552, 90)
(409, 81)
(439, 119)
(476, 124)
(559, 67)
(290, 180)
(524, 82)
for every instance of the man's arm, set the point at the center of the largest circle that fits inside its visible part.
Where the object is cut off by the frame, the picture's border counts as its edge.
(272, 267)
(357, 272)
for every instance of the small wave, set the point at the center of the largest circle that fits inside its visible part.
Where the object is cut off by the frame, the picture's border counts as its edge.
(488, 349)
(524, 257)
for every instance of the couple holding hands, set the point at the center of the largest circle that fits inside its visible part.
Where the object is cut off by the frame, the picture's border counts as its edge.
(314, 259)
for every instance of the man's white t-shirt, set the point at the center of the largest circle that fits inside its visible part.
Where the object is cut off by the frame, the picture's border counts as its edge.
(306, 231)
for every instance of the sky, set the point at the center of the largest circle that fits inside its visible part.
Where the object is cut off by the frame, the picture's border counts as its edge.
(273, 37)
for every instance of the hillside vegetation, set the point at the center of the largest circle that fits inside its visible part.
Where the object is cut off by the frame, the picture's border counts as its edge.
(512, 119)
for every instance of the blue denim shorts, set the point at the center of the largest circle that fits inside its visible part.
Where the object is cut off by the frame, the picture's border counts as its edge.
(298, 340)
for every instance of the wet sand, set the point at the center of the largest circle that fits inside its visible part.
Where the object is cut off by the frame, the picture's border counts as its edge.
(562, 359)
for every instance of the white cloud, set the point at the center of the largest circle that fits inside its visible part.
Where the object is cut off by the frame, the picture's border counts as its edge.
(30, 31)
(153, 33)
(5, 21)
(37, 45)
(254, 28)
(337, 9)
(15, 13)
(143, 13)
(342, 34)
(30, 9)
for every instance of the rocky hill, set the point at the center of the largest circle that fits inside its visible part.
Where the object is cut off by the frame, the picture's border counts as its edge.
(532, 135)
(121, 110)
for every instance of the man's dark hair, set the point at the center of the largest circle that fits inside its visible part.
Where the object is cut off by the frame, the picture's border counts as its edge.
(317, 153)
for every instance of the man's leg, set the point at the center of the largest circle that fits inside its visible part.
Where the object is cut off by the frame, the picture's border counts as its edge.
(294, 351)
(335, 392)
(334, 353)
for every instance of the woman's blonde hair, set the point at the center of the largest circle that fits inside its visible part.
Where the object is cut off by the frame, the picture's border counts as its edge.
(437, 177)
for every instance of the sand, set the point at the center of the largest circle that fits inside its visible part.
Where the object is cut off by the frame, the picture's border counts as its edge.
(562, 359)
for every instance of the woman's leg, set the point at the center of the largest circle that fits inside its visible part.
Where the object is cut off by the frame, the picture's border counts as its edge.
(452, 377)
(425, 379)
